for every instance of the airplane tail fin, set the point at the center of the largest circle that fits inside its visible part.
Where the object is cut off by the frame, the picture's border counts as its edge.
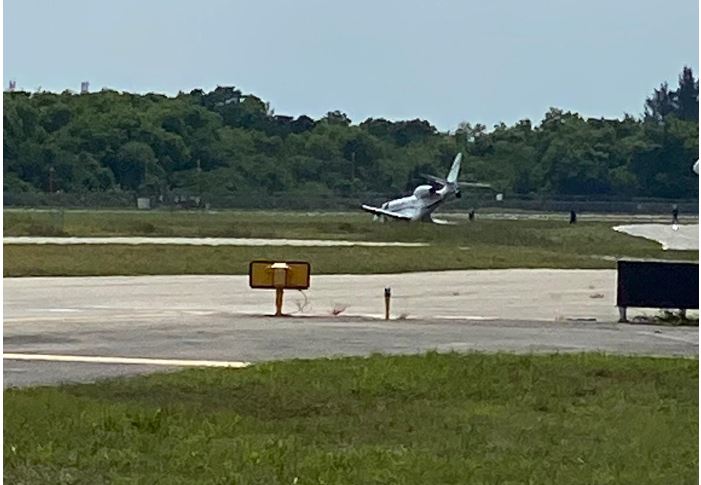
(454, 169)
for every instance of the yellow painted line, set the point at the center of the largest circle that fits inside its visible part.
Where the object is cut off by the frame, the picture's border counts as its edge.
(89, 359)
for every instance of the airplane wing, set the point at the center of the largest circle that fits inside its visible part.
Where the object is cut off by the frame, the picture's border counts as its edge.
(382, 212)
(475, 185)
(443, 222)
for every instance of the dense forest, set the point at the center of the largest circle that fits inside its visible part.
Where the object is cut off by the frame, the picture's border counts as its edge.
(227, 142)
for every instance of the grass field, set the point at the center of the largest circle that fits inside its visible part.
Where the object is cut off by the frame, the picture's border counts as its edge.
(479, 245)
(450, 418)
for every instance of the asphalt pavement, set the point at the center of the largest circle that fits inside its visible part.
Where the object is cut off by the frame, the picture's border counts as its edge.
(218, 318)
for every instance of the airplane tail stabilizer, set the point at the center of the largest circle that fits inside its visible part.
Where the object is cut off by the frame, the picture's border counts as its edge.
(454, 169)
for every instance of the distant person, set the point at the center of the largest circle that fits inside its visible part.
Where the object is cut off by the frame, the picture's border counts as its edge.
(675, 214)
(471, 215)
(573, 217)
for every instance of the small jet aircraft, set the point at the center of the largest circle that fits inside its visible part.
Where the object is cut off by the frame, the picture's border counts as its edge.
(426, 198)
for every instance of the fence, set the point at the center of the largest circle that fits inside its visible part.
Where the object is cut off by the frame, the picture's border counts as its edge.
(126, 200)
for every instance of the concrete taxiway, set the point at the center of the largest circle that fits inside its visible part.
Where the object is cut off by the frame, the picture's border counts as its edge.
(177, 319)
(679, 237)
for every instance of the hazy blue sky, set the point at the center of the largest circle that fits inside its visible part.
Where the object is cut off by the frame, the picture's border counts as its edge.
(444, 61)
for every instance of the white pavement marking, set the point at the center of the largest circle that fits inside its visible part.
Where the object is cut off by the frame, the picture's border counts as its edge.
(202, 241)
(686, 237)
(125, 360)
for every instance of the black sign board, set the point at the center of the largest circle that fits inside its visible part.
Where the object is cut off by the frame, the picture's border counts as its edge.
(658, 284)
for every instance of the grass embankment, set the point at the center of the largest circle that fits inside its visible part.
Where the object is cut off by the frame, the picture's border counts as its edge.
(479, 245)
(163, 260)
(473, 418)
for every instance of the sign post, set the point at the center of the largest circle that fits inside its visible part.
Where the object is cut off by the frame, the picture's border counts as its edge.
(279, 280)
(388, 294)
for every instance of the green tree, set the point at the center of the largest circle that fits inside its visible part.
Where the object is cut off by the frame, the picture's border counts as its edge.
(131, 163)
(687, 96)
(661, 104)
(230, 142)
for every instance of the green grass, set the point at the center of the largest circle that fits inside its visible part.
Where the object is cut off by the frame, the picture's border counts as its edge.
(85, 260)
(185, 224)
(475, 418)
(479, 245)
(298, 225)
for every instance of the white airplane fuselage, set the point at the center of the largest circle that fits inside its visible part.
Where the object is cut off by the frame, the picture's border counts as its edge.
(419, 205)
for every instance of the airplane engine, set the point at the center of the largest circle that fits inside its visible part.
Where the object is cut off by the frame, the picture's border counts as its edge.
(423, 191)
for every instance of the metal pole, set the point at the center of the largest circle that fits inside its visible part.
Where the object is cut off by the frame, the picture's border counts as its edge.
(199, 183)
(353, 166)
(51, 179)
(623, 317)
(388, 294)
(278, 302)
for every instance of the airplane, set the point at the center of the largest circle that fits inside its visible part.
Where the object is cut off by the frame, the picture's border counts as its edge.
(695, 168)
(426, 198)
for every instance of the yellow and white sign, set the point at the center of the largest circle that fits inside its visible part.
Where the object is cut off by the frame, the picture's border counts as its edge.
(292, 275)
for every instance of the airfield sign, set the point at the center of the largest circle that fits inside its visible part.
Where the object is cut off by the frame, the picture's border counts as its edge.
(263, 274)
(279, 275)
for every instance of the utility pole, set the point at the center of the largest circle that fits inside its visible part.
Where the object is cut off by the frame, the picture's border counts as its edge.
(145, 178)
(353, 166)
(199, 182)
(51, 179)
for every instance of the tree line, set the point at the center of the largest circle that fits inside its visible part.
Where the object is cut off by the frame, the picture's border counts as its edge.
(228, 142)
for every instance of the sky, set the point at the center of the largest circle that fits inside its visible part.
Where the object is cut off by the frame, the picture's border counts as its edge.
(443, 61)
